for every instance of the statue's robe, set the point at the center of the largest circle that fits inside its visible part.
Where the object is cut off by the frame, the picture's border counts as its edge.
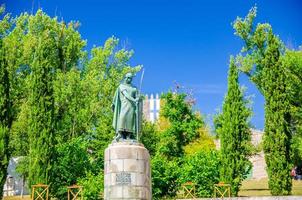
(124, 119)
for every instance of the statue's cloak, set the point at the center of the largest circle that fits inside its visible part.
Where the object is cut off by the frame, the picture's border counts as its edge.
(124, 119)
(117, 107)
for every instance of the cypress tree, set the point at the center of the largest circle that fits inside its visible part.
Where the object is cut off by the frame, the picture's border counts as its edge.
(41, 99)
(5, 119)
(277, 135)
(234, 133)
(5, 103)
(261, 59)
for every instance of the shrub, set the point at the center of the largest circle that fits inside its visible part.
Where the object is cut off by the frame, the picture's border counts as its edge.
(203, 170)
(93, 185)
(72, 162)
(164, 177)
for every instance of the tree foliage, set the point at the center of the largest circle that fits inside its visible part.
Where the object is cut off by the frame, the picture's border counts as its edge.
(262, 60)
(72, 163)
(234, 133)
(93, 185)
(179, 132)
(292, 62)
(40, 41)
(204, 142)
(150, 137)
(183, 124)
(165, 174)
(201, 168)
(52, 92)
(5, 101)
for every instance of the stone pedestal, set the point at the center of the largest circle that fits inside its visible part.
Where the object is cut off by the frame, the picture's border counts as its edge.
(127, 172)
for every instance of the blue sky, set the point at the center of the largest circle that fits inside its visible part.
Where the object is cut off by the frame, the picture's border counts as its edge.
(187, 41)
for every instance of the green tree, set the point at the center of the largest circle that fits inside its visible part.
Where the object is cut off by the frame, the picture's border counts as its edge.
(204, 142)
(70, 107)
(149, 137)
(70, 110)
(93, 185)
(46, 50)
(42, 40)
(5, 102)
(19, 71)
(183, 127)
(53, 92)
(178, 126)
(292, 61)
(5, 120)
(277, 137)
(201, 168)
(165, 174)
(234, 133)
(72, 163)
(261, 60)
(13, 75)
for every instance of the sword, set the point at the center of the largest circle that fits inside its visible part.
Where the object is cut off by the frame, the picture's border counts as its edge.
(137, 105)
(141, 82)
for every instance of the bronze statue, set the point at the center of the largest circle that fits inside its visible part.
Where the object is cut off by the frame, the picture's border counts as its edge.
(127, 106)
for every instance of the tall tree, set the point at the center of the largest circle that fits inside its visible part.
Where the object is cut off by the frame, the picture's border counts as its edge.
(55, 91)
(179, 126)
(234, 133)
(5, 106)
(277, 137)
(184, 124)
(19, 71)
(5, 121)
(292, 61)
(41, 39)
(8, 77)
(261, 60)
(46, 52)
(68, 92)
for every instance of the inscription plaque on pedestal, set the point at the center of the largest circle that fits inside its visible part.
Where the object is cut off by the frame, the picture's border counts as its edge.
(123, 178)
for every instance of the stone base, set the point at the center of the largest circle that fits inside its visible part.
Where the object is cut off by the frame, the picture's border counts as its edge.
(127, 171)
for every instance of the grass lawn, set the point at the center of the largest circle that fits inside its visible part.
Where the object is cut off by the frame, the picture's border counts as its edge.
(260, 188)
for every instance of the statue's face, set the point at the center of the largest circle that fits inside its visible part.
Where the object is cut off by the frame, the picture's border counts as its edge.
(128, 80)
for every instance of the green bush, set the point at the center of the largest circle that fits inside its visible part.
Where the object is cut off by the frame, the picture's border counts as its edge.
(149, 137)
(72, 162)
(203, 170)
(93, 185)
(164, 177)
